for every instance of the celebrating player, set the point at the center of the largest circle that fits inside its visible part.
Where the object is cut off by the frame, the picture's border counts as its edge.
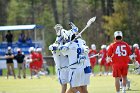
(61, 61)
(119, 52)
(79, 67)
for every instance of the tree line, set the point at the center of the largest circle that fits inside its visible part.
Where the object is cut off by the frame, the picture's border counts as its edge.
(111, 15)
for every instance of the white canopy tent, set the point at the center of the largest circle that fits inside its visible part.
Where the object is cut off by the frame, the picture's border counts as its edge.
(23, 27)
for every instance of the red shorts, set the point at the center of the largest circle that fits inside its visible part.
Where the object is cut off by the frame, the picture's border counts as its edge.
(34, 65)
(31, 66)
(92, 63)
(40, 64)
(109, 64)
(103, 63)
(120, 70)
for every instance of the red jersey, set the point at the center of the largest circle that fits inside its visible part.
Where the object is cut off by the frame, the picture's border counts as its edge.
(119, 52)
(103, 53)
(33, 56)
(137, 53)
(93, 59)
(40, 62)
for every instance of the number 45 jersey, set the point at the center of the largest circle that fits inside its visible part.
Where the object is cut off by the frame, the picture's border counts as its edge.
(119, 52)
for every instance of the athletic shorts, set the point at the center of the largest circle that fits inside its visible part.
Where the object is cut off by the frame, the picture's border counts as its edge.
(92, 63)
(120, 70)
(77, 77)
(103, 63)
(109, 64)
(62, 75)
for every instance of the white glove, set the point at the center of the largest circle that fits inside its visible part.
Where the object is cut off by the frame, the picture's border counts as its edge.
(137, 64)
(29, 60)
(63, 48)
(132, 56)
(53, 47)
(86, 49)
(108, 59)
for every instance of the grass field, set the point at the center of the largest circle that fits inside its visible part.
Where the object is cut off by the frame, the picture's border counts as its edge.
(49, 84)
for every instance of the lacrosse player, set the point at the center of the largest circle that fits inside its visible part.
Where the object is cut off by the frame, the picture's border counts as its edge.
(79, 67)
(102, 60)
(61, 61)
(119, 52)
(92, 55)
(33, 59)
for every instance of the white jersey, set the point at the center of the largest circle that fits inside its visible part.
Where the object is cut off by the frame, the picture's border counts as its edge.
(82, 43)
(74, 51)
(77, 75)
(60, 60)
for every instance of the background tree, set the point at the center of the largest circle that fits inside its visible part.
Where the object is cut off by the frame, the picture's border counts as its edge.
(111, 15)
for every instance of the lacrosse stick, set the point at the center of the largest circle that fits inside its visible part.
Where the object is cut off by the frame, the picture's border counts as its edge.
(90, 21)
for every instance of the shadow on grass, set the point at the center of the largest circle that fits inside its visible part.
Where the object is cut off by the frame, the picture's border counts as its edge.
(132, 90)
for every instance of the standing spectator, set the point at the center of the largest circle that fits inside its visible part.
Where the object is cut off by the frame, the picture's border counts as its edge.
(9, 38)
(21, 64)
(92, 55)
(9, 60)
(119, 52)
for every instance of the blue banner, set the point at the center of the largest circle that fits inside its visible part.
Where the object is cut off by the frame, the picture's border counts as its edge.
(23, 47)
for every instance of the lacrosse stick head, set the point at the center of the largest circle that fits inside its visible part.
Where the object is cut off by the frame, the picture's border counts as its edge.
(91, 21)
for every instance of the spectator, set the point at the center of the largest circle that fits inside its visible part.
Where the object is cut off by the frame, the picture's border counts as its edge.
(21, 64)
(22, 38)
(9, 38)
(28, 40)
(119, 53)
(9, 61)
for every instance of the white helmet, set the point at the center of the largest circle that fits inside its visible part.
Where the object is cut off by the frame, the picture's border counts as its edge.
(65, 34)
(135, 46)
(107, 47)
(9, 48)
(58, 28)
(38, 49)
(93, 47)
(103, 47)
(118, 33)
(31, 49)
(18, 50)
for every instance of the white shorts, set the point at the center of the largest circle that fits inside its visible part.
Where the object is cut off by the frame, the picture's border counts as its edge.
(77, 77)
(63, 76)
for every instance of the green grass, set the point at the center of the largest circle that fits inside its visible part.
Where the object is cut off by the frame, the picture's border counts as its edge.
(49, 84)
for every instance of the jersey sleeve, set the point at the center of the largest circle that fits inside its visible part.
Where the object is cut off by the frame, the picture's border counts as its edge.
(128, 50)
(110, 51)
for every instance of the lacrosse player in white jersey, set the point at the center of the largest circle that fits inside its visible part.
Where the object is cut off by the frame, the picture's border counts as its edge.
(78, 65)
(61, 61)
